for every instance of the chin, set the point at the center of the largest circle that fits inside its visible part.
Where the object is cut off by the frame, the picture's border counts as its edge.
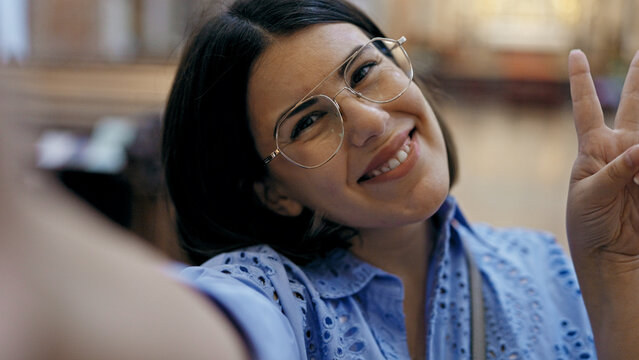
(430, 205)
(422, 207)
(417, 209)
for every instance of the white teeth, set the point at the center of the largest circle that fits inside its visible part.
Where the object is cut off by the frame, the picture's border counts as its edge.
(400, 157)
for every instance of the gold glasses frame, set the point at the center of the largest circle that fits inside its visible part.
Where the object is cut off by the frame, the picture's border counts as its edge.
(399, 42)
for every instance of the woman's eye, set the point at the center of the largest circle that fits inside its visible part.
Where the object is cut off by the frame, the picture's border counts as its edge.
(360, 73)
(305, 122)
(383, 49)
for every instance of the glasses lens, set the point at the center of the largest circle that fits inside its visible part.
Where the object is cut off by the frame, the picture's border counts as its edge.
(312, 132)
(381, 71)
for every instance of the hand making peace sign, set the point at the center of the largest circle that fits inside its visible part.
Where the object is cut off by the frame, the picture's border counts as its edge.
(602, 217)
(603, 200)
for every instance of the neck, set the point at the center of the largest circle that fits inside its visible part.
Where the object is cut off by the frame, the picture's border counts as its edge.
(402, 251)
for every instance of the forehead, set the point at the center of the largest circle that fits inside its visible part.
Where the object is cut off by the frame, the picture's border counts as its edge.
(294, 64)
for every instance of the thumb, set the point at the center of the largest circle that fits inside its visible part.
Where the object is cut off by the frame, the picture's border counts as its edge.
(617, 173)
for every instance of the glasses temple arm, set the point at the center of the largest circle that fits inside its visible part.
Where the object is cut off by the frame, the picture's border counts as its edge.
(271, 156)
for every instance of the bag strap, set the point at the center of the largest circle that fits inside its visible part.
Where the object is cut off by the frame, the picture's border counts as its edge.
(478, 331)
(477, 321)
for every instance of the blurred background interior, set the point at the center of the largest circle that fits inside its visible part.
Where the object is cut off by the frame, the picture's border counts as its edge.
(90, 78)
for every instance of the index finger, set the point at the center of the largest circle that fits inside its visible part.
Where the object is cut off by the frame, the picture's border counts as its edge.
(585, 103)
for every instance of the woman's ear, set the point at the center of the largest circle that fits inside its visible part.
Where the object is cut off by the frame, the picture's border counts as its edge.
(274, 198)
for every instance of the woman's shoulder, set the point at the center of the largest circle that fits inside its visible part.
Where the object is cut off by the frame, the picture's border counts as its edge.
(517, 260)
(242, 255)
(492, 244)
(258, 267)
(529, 271)
(527, 252)
(261, 257)
(257, 289)
(510, 238)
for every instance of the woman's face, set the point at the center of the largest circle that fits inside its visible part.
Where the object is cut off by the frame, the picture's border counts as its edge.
(345, 189)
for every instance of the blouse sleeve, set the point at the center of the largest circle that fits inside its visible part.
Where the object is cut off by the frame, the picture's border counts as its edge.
(256, 314)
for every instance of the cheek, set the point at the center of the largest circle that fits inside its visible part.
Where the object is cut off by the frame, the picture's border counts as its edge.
(420, 106)
(320, 189)
(413, 103)
(428, 120)
(317, 192)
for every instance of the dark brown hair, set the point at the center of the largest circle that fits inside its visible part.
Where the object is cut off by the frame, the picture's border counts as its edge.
(208, 151)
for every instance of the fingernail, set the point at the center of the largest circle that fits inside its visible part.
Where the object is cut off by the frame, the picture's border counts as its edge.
(636, 179)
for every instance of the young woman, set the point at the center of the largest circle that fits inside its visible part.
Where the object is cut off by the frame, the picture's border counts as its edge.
(307, 164)
(302, 157)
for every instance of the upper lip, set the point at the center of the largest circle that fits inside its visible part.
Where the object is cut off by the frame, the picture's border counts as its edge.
(387, 152)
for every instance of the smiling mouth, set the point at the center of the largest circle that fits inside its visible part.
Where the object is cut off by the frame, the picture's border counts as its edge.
(397, 159)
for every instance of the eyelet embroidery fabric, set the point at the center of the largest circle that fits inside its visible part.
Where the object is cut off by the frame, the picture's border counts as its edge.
(343, 308)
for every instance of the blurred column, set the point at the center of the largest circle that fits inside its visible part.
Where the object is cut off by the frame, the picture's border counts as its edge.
(157, 27)
(63, 30)
(440, 22)
(14, 30)
(630, 29)
(603, 38)
(376, 10)
(117, 29)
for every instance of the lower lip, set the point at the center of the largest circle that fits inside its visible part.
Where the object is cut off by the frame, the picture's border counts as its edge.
(403, 168)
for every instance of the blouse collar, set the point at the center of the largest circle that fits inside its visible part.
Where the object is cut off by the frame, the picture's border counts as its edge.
(341, 274)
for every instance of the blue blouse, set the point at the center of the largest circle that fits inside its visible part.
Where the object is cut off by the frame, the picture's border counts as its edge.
(344, 308)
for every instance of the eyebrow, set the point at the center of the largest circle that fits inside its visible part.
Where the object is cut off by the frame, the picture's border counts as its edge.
(299, 108)
(303, 105)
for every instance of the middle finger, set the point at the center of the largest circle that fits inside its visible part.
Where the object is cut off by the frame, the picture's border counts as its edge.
(628, 113)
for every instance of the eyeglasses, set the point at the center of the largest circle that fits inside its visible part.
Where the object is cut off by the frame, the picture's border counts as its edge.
(312, 131)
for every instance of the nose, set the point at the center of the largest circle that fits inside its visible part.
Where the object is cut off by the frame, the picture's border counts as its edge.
(363, 120)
